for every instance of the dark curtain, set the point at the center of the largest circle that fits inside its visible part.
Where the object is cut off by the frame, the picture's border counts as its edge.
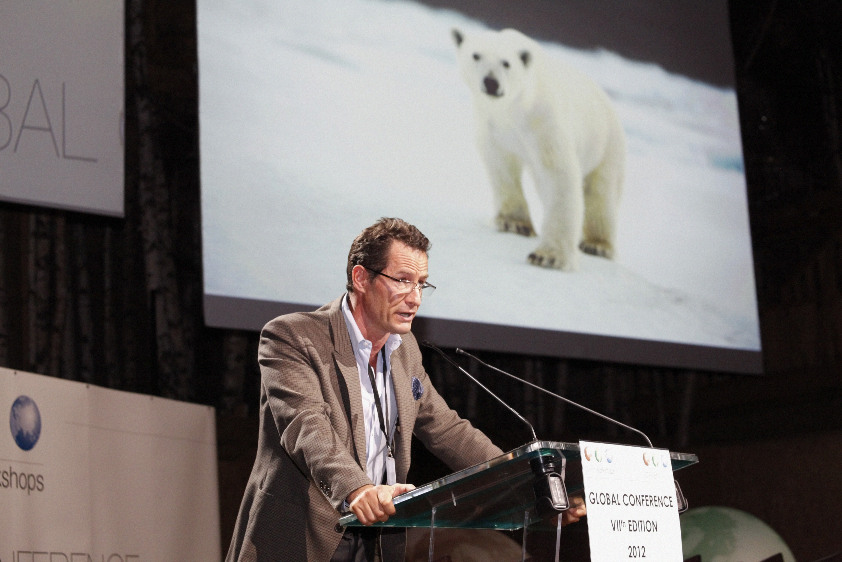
(117, 302)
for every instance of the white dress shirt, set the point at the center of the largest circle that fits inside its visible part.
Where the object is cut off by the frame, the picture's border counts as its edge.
(376, 446)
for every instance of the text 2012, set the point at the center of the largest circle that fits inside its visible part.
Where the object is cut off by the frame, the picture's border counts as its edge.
(637, 551)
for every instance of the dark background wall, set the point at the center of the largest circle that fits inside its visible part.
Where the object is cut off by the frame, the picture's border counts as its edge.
(118, 302)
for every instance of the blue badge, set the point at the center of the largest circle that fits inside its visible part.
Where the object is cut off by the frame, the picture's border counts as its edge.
(417, 388)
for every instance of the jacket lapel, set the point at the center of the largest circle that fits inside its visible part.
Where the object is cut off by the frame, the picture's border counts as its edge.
(406, 414)
(349, 376)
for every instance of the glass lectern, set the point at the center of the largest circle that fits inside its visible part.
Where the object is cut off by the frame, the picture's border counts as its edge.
(502, 493)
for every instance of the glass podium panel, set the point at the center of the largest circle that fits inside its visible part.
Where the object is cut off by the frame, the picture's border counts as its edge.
(497, 494)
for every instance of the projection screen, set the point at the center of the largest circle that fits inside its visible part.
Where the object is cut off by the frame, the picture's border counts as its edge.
(319, 117)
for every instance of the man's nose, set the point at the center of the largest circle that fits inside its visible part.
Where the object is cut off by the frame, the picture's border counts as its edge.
(414, 295)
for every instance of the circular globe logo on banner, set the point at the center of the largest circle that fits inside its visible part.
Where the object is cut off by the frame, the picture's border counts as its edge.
(25, 422)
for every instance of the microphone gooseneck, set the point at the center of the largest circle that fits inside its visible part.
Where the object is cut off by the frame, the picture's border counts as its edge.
(681, 499)
(470, 376)
(562, 398)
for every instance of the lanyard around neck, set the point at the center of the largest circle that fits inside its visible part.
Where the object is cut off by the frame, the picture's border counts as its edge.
(382, 418)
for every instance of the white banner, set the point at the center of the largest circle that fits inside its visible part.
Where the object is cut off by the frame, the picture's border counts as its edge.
(88, 473)
(632, 508)
(61, 104)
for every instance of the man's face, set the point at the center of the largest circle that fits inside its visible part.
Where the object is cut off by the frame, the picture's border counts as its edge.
(388, 309)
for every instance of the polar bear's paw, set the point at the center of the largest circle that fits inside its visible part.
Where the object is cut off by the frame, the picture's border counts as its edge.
(552, 259)
(596, 248)
(512, 223)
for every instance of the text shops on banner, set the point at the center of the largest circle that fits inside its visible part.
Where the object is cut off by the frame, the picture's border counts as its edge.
(88, 473)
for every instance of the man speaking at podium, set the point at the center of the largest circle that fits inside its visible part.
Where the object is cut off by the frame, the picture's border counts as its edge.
(342, 392)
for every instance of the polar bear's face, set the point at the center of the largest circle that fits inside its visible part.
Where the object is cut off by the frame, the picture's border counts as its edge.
(495, 65)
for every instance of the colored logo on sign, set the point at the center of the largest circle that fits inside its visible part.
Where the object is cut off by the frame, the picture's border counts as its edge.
(656, 459)
(599, 455)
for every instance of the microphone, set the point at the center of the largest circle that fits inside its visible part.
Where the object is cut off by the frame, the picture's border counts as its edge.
(470, 376)
(567, 400)
(548, 470)
(680, 497)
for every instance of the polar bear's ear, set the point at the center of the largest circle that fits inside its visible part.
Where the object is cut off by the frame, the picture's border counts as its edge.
(526, 57)
(457, 36)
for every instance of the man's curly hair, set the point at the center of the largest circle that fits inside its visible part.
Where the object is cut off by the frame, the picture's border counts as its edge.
(371, 247)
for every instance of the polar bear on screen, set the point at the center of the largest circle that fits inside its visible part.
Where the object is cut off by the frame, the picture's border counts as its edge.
(534, 112)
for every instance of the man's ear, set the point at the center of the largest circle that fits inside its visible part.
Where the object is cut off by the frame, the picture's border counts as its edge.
(360, 279)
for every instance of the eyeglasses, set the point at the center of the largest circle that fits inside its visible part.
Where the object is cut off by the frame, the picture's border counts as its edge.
(405, 286)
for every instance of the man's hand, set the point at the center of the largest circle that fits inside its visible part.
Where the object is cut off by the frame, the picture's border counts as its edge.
(374, 503)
